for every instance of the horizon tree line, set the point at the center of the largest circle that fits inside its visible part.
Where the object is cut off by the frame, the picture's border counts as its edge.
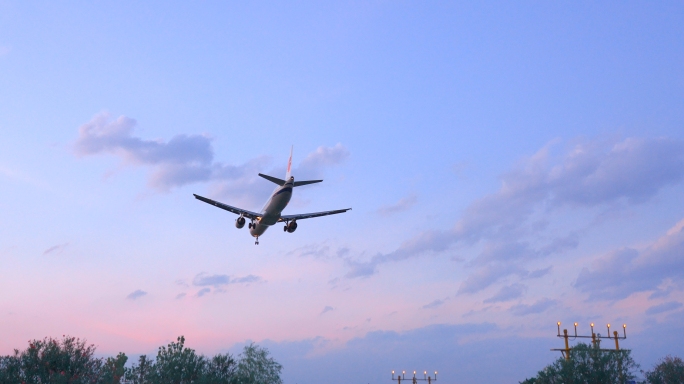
(72, 360)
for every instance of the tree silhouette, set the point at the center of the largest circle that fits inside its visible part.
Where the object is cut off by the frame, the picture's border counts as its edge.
(588, 365)
(670, 370)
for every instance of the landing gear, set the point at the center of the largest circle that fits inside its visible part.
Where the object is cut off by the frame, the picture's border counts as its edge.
(285, 228)
(257, 241)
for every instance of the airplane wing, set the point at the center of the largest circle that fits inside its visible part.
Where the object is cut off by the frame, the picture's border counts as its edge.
(237, 211)
(302, 216)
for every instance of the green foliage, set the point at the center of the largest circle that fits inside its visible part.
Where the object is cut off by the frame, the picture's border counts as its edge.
(71, 360)
(176, 364)
(10, 368)
(221, 369)
(113, 369)
(670, 370)
(255, 367)
(141, 373)
(52, 361)
(588, 365)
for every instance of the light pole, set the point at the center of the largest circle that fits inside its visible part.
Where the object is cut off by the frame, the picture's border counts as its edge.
(595, 338)
(415, 380)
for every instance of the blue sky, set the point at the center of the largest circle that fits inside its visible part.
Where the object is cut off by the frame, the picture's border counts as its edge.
(508, 165)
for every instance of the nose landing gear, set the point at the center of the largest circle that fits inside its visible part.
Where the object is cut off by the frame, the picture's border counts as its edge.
(257, 241)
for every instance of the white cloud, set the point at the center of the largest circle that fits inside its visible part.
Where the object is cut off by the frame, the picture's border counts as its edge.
(325, 156)
(507, 293)
(216, 281)
(588, 174)
(186, 159)
(183, 159)
(628, 270)
(536, 307)
(664, 307)
(435, 304)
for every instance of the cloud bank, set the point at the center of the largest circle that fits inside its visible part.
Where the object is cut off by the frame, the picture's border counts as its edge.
(587, 174)
(186, 159)
(623, 272)
(220, 282)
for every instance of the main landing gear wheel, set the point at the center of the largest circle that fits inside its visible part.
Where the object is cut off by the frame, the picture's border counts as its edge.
(285, 228)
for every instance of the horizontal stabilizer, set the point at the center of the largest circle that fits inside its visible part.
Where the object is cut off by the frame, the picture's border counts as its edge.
(300, 183)
(273, 179)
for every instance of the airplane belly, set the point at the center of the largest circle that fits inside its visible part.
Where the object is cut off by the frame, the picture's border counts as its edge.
(258, 230)
(274, 208)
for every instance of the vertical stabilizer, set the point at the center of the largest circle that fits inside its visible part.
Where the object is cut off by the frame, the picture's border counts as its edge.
(289, 165)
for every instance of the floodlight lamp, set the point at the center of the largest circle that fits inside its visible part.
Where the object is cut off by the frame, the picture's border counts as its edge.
(559, 323)
(624, 325)
(575, 324)
(592, 324)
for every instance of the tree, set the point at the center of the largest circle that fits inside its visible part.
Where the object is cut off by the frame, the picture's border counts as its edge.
(139, 374)
(113, 369)
(255, 367)
(588, 365)
(10, 368)
(221, 369)
(670, 370)
(69, 360)
(176, 364)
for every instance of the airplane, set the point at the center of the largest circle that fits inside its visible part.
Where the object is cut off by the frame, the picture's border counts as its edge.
(271, 212)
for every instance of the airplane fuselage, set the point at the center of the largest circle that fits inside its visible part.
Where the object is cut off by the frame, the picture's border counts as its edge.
(271, 213)
(273, 208)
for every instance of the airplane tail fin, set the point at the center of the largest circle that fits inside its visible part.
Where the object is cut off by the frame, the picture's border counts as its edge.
(289, 165)
(287, 177)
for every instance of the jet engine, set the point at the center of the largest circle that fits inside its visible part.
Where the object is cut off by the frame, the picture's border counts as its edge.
(292, 226)
(240, 222)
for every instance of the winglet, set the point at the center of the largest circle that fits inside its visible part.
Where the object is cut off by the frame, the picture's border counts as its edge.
(289, 165)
